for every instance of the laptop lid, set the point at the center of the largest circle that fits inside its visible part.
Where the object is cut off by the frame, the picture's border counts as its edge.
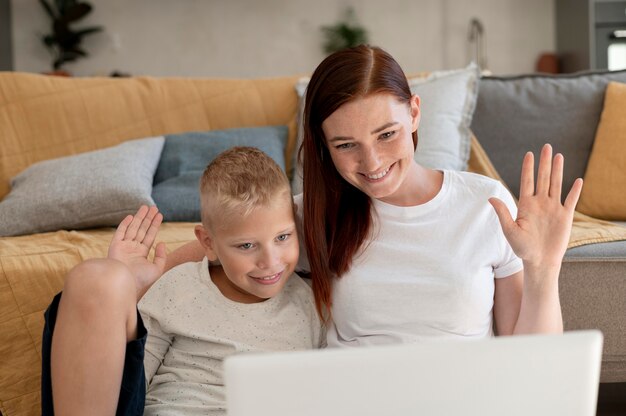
(520, 375)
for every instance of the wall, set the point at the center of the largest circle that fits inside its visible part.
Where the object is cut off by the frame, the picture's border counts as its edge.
(251, 38)
(6, 54)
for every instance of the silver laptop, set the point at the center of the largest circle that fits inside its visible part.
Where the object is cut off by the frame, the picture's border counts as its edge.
(536, 375)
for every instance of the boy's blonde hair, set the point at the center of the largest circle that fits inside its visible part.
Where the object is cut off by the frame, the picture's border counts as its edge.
(237, 181)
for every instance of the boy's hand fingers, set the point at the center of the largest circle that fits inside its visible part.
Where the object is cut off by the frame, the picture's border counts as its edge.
(153, 230)
(131, 231)
(160, 255)
(120, 232)
(146, 223)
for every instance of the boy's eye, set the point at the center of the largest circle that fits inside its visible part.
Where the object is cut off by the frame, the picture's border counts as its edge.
(283, 237)
(245, 246)
(387, 134)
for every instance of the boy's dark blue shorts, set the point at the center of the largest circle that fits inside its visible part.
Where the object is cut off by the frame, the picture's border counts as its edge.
(133, 390)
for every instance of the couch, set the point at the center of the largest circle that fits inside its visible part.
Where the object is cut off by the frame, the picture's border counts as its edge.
(44, 117)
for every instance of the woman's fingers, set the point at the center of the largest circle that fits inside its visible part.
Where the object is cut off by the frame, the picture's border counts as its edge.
(527, 182)
(556, 179)
(545, 171)
(574, 194)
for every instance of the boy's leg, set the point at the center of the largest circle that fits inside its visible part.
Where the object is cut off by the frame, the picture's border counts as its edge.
(96, 318)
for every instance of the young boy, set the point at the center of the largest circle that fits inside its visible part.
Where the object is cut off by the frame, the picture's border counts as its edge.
(195, 315)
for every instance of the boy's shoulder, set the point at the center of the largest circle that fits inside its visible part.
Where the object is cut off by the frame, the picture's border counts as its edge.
(298, 289)
(178, 278)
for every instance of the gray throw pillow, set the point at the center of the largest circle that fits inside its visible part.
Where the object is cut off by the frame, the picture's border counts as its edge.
(518, 114)
(91, 189)
(186, 155)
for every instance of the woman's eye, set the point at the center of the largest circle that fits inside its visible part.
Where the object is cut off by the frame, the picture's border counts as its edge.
(387, 134)
(344, 146)
(283, 237)
(245, 246)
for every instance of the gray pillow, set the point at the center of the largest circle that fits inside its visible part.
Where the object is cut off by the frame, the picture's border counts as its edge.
(186, 155)
(518, 114)
(92, 189)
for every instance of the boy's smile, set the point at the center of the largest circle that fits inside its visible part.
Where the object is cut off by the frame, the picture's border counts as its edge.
(257, 252)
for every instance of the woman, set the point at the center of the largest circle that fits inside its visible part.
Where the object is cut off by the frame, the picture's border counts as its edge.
(399, 252)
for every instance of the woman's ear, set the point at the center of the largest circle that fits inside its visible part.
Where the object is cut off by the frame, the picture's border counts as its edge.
(415, 112)
(205, 239)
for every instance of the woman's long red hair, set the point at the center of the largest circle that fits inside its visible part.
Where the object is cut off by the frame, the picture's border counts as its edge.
(337, 216)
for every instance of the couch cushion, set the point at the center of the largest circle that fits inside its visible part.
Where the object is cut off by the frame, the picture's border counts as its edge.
(604, 193)
(613, 249)
(92, 189)
(519, 114)
(186, 155)
(46, 117)
(32, 271)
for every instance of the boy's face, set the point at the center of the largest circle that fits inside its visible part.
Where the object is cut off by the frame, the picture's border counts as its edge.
(257, 252)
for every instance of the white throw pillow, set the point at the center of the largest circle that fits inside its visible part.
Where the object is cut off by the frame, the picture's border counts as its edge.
(448, 100)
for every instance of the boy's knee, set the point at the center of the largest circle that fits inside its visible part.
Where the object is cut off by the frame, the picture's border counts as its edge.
(100, 281)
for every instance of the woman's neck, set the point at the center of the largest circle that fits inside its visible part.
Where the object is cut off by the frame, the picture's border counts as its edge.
(420, 186)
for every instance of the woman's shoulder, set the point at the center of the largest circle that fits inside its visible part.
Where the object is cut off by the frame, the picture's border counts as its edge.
(476, 183)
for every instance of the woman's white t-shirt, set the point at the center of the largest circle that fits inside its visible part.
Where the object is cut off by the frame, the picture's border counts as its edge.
(428, 270)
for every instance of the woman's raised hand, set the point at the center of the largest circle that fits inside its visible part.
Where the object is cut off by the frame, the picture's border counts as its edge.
(540, 234)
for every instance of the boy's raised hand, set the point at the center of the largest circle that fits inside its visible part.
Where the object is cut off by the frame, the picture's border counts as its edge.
(540, 234)
(131, 245)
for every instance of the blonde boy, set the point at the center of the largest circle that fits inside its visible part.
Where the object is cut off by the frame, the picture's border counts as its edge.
(241, 298)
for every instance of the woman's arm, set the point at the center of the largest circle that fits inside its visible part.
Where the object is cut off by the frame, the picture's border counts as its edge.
(520, 309)
(192, 251)
(539, 236)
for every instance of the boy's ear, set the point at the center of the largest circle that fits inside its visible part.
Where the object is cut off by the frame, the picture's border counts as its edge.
(205, 239)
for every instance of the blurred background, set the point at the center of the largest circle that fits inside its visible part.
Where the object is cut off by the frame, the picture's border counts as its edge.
(264, 38)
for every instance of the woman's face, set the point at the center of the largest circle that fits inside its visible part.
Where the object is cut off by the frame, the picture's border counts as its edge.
(371, 144)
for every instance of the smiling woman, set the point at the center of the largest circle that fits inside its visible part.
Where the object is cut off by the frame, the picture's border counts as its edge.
(399, 252)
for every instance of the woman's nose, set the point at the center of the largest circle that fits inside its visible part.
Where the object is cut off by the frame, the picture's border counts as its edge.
(370, 159)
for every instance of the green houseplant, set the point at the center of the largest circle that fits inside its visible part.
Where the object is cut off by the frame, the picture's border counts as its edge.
(65, 42)
(344, 34)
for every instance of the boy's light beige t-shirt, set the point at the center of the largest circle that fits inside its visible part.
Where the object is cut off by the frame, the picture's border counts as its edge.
(192, 328)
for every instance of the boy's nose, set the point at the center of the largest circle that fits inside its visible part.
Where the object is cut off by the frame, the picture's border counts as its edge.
(267, 258)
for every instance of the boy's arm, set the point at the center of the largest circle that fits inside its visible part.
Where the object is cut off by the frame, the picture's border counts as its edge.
(157, 344)
(192, 251)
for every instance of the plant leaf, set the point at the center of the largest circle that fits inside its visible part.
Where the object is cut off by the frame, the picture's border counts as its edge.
(76, 11)
(88, 30)
(48, 8)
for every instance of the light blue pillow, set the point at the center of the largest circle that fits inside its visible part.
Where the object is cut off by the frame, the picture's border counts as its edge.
(186, 155)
